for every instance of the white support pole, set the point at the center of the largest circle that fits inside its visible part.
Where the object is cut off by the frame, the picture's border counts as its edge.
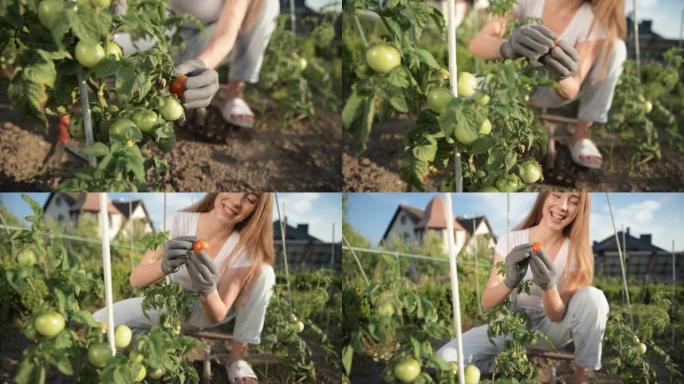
(674, 294)
(622, 263)
(356, 258)
(681, 29)
(87, 121)
(332, 246)
(283, 228)
(107, 266)
(455, 300)
(636, 39)
(453, 82)
(167, 279)
(292, 17)
(477, 276)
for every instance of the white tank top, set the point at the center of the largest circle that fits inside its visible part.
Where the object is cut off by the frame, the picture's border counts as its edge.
(578, 28)
(185, 224)
(534, 299)
(207, 11)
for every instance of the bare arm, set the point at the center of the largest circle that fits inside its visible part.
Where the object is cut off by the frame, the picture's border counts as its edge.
(589, 52)
(148, 271)
(225, 32)
(496, 291)
(487, 42)
(217, 304)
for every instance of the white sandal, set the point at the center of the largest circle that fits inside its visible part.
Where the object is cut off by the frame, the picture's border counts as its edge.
(586, 148)
(236, 106)
(240, 369)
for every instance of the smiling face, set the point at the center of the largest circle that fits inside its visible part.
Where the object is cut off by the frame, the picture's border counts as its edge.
(560, 209)
(232, 208)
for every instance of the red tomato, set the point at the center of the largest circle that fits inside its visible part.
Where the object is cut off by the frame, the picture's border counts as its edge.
(178, 86)
(199, 246)
(536, 247)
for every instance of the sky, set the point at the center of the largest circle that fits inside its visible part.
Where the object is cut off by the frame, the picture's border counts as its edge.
(666, 15)
(319, 210)
(659, 214)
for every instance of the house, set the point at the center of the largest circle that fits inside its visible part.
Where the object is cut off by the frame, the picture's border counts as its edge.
(69, 209)
(651, 45)
(411, 225)
(136, 217)
(303, 250)
(643, 260)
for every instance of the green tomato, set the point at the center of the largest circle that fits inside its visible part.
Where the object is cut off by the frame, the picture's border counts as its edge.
(49, 324)
(299, 326)
(466, 134)
(157, 373)
(99, 355)
(49, 12)
(120, 127)
(438, 99)
(89, 55)
(407, 371)
(382, 57)
(486, 127)
(301, 64)
(293, 317)
(530, 172)
(171, 109)
(385, 310)
(76, 129)
(648, 106)
(642, 349)
(112, 48)
(136, 357)
(488, 189)
(510, 183)
(145, 120)
(139, 372)
(101, 3)
(466, 84)
(30, 331)
(482, 99)
(27, 257)
(472, 374)
(122, 336)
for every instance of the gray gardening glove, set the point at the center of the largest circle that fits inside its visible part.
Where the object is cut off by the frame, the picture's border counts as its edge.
(543, 273)
(562, 61)
(516, 263)
(530, 41)
(202, 83)
(203, 273)
(176, 253)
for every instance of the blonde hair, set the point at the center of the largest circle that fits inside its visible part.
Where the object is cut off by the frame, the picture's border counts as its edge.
(579, 266)
(610, 16)
(256, 233)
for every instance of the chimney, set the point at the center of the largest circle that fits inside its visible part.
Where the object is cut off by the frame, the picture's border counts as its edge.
(303, 228)
(627, 231)
(645, 26)
(645, 238)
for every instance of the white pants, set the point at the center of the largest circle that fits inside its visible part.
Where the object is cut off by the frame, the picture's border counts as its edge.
(596, 93)
(249, 318)
(583, 325)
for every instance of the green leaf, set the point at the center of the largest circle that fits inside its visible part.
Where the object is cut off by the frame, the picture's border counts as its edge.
(347, 356)
(426, 57)
(64, 365)
(96, 149)
(352, 109)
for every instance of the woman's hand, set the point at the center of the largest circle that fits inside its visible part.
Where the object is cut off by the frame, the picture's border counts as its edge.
(516, 265)
(529, 41)
(562, 61)
(176, 253)
(543, 273)
(203, 273)
(202, 83)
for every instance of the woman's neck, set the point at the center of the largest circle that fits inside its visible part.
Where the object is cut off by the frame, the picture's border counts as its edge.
(212, 228)
(564, 5)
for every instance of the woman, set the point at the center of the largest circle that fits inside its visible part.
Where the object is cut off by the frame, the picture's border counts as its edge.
(234, 30)
(579, 45)
(234, 276)
(561, 303)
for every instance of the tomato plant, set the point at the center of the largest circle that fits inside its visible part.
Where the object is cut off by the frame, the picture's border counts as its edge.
(489, 124)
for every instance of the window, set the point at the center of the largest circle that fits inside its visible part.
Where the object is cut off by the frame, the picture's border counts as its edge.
(403, 219)
(58, 201)
(60, 219)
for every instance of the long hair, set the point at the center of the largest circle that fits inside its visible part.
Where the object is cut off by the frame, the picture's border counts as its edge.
(579, 266)
(610, 16)
(256, 233)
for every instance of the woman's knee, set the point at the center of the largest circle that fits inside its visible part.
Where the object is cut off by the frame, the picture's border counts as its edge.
(590, 299)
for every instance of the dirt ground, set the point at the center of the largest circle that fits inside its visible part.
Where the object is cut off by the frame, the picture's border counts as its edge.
(377, 168)
(306, 156)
